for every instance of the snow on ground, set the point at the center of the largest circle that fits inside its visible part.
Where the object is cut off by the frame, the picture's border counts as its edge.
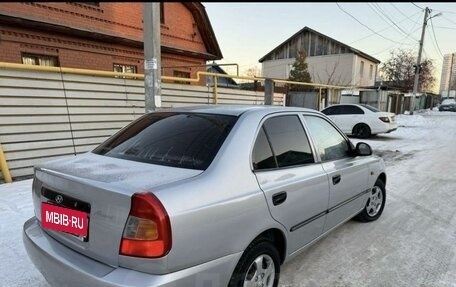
(412, 244)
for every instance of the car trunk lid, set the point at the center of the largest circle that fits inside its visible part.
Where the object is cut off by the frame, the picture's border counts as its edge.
(100, 187)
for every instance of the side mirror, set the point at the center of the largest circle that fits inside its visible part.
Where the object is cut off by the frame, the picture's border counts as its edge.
(363, 149)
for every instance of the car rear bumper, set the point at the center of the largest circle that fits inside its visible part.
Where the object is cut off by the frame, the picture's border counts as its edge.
(62, 266)
(384, 128)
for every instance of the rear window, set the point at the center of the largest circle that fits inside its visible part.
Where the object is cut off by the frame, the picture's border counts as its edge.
(185, 140)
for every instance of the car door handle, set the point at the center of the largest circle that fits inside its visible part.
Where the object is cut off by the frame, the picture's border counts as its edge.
(279, 198)
(336, 179)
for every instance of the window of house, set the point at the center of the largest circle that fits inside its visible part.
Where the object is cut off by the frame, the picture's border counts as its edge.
(162, 13)
(371, 71)
(181, 74)
(361, 69)
(124, 68)
(40, 60)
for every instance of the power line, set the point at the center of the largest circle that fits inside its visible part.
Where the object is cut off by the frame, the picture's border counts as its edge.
(417, 6)
(443, 11)
(397, 9)
(386, 28)
(448, 19)
(402, 44)
(365, 25)
(435, 38)
(378, 8)
(443, 27)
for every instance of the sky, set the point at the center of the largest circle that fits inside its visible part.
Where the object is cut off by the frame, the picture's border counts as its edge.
(248, 31)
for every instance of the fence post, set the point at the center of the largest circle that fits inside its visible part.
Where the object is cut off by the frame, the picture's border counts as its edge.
(4, 167)
(268, 92)
(319, 100)
(214, 90)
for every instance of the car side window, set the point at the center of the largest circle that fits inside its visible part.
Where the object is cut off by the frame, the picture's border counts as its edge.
(289, 142)
(331, 145)
(350, 110)
(328, 111)
(262, 157)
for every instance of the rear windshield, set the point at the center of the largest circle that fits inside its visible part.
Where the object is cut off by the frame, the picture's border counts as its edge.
(185, 140)
(371, 108)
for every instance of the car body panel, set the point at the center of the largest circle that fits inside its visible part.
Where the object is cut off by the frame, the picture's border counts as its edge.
(346, 122)
(214, 214)
(307, 193)
(62, 266)
(346, 195)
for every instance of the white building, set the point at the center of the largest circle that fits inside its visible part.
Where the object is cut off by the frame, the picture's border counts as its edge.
(329, 61)
(448, 76)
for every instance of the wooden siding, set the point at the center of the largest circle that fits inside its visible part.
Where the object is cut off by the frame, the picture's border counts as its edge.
(312, 43)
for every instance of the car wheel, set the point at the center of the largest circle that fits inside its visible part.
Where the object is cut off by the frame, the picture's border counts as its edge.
(361, 131)
(375, 203)
(258, 266)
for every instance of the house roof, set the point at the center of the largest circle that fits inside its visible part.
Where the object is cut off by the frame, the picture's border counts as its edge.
(204, 26)
(196, 8)
(307, 29)
(219, 70)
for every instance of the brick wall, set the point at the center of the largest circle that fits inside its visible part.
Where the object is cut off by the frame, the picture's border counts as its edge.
(115, 19)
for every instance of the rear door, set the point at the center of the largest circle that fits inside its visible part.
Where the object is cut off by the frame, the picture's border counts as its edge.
(348, 116)
(295, 186)
(347, 175)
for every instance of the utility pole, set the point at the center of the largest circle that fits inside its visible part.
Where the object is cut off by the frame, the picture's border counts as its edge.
(418, 62)
(152, 55)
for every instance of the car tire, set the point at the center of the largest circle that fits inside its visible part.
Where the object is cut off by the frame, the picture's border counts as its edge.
(375, 204)
(260, 252)
(362, 131)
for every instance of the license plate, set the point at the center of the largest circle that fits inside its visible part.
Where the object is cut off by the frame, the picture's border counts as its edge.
(65, 219)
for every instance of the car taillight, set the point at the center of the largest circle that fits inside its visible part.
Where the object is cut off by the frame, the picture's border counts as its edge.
(384, 119)
(148, 229)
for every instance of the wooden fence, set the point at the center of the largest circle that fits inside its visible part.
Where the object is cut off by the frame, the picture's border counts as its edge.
(48, 115)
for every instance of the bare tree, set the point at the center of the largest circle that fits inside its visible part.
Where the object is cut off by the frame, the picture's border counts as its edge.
(399, 71)
(253, 72)
(332, 77)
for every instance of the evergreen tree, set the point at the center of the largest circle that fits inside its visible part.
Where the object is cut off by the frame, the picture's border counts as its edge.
(299, 73)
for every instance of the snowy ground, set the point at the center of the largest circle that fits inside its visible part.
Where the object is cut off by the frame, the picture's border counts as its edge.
(412, 244)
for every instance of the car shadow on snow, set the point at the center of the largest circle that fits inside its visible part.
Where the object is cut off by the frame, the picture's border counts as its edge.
(393, 156)
(383, 138)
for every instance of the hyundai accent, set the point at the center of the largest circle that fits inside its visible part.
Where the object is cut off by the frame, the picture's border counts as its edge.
(200, 196)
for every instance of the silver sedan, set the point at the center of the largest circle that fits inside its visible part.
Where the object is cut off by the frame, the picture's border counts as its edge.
(200, 196)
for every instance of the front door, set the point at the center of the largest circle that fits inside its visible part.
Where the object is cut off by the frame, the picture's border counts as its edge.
(347, 175)
(295, 186)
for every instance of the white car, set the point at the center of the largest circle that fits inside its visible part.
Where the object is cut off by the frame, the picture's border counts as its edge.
(361, 120)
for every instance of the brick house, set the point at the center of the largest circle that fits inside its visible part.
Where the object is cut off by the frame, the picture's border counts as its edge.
(105, 36)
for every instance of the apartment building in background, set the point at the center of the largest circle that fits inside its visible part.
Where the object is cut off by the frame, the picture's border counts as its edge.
(448, 76)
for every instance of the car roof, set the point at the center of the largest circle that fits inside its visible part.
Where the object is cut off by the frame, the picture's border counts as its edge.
(358, 105)
(236, 110)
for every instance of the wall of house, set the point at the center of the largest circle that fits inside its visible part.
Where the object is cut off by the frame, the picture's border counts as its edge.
(327, 69)
(279, 69)
(363, 76)
(116, 19)
(331, 69)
